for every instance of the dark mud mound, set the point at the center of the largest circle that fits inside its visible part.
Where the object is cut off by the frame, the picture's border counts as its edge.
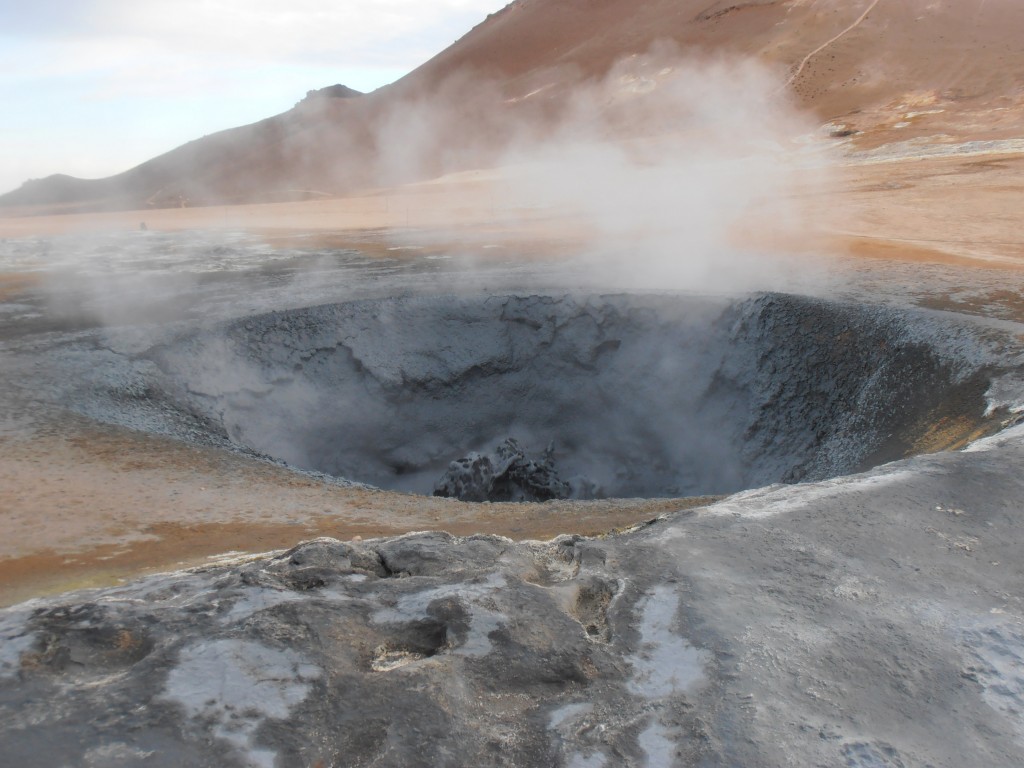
(642, 395)
(506, 474)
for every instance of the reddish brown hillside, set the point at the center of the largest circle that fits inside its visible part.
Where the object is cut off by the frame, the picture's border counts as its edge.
(888, 70)
(841, 58)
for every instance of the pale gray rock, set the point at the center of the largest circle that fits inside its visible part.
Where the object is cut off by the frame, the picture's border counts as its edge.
(868, 620)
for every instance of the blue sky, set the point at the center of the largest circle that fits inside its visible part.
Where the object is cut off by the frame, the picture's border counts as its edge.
(94, 87)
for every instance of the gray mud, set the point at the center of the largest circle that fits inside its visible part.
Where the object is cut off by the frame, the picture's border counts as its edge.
(640, 395)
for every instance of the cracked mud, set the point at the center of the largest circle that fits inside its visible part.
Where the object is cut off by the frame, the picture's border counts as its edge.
(732, 395)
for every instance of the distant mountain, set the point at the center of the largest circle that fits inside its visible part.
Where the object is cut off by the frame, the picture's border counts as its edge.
(268, 160)
(876, 70)
(338, 91)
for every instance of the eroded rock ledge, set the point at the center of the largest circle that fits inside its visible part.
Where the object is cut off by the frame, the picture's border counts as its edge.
(863, 621)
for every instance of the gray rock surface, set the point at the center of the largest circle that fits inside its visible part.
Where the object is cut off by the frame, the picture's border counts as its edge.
(504, 474)
(870, 620)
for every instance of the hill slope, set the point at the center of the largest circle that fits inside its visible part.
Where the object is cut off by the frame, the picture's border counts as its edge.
(877, 70)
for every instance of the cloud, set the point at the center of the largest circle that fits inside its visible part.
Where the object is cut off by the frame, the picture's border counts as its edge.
(387, 33)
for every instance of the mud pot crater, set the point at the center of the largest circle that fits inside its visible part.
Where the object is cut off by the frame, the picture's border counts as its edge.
(638, 395)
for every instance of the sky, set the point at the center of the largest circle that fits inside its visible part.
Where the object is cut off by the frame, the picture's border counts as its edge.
(94, 87)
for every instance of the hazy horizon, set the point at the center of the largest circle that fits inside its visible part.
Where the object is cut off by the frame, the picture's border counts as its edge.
(96, 88)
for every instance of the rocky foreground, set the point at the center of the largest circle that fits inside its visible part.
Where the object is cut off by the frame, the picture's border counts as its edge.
(873, 620)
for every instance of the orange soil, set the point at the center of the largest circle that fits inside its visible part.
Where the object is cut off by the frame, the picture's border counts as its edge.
(949, 209)
(97, 504)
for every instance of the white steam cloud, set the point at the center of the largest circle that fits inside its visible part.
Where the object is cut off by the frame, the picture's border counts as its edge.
(674, 172)
(669, 172)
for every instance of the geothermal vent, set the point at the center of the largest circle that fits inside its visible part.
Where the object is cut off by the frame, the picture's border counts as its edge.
(634, 395)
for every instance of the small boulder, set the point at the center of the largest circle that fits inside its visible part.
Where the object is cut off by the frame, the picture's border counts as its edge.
(505, 474)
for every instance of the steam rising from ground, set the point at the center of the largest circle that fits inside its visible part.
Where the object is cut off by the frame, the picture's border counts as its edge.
(668, 172)
(674, 170)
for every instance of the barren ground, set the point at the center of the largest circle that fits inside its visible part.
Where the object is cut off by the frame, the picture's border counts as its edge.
(88, 505)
